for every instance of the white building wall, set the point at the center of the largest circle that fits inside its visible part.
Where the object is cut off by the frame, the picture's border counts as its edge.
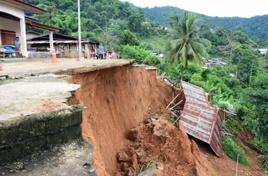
(10, 25)
(11, 10)
(16, 26)
(263, 51)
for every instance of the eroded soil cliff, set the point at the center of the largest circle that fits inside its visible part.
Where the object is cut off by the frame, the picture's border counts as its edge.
(119, 99)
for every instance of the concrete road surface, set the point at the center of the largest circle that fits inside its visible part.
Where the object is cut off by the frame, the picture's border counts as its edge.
(30, 86)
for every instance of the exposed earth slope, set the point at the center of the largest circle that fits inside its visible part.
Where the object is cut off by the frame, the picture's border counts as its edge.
(125, 122)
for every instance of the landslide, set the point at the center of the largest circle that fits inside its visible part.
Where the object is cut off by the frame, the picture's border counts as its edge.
(157, 147)
(119, 99)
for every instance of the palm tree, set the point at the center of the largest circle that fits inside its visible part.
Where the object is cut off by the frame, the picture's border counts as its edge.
(184, 43)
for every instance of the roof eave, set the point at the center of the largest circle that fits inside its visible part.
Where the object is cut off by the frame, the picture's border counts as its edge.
(41, 26)
(28, 8)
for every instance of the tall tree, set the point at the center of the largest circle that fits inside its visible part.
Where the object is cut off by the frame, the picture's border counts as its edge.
(184, 43)
(257, 94)
(135, 20)
(245, 59)
(128, 38)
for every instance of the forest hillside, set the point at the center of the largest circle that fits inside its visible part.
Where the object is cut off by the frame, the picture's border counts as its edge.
(254, 27)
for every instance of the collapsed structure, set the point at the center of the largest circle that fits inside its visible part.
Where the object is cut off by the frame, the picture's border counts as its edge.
(200, 118)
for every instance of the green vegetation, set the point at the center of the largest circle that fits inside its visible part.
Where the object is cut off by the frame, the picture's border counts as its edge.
(255, 27)
(257, 95)
(172, 119)
(101, 20)
(184, 42)
(240, 87)
(262, 145)
(154, 43)
(128, 38)
(152, 59)
(232, 126)
(233, 151)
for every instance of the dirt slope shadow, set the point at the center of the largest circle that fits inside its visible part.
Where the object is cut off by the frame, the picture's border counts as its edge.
(117, 100)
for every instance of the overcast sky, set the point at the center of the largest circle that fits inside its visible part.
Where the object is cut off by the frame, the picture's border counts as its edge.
(221, 8)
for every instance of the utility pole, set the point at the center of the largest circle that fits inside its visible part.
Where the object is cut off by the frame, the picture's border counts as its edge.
(79, 32)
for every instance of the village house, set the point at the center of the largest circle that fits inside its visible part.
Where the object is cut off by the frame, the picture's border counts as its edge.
(65, 46)
(13, 20)
(262, 51)
(32, 34)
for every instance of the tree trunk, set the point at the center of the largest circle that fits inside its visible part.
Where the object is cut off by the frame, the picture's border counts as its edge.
(182, 69)
(181, 78)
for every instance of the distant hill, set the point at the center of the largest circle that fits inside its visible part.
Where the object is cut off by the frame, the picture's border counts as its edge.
(254, 27)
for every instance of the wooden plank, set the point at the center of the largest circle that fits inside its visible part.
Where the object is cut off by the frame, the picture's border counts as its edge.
(172, 101)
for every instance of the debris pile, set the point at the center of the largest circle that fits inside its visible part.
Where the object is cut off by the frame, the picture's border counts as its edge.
(159, 148)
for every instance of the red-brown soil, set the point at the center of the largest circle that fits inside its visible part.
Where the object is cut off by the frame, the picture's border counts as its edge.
(165, 148)
(120, 99)
(225, 166)
(117, 99)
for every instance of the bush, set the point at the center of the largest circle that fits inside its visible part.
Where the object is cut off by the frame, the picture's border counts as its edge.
(135, 52)
(234, 151)
(198, 83)
(261, 145)
(223, 105)
(233, 125)
(172, 119)
(172, 70)
(152, 60)
(196, 77)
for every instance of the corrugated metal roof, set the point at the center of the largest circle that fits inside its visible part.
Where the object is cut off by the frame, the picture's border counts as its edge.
(200, 119)
(55, 41)
(56, 36)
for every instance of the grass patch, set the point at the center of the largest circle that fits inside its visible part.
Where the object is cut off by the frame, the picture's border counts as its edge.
(154, 43)
(261, 145)
(172, 119)
(234, 151)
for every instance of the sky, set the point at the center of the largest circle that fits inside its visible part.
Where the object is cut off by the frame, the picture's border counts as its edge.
(220, 8)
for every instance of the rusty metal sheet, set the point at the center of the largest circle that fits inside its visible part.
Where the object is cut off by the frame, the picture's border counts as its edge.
(54, 41)
(200, 119)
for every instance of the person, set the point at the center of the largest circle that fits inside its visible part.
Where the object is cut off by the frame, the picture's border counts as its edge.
(108, 55)
(100, 51)
(17, 46)
(114, 55)
(94, 53)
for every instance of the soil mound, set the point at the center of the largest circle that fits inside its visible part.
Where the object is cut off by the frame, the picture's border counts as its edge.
(156, 147)
(117, 100)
